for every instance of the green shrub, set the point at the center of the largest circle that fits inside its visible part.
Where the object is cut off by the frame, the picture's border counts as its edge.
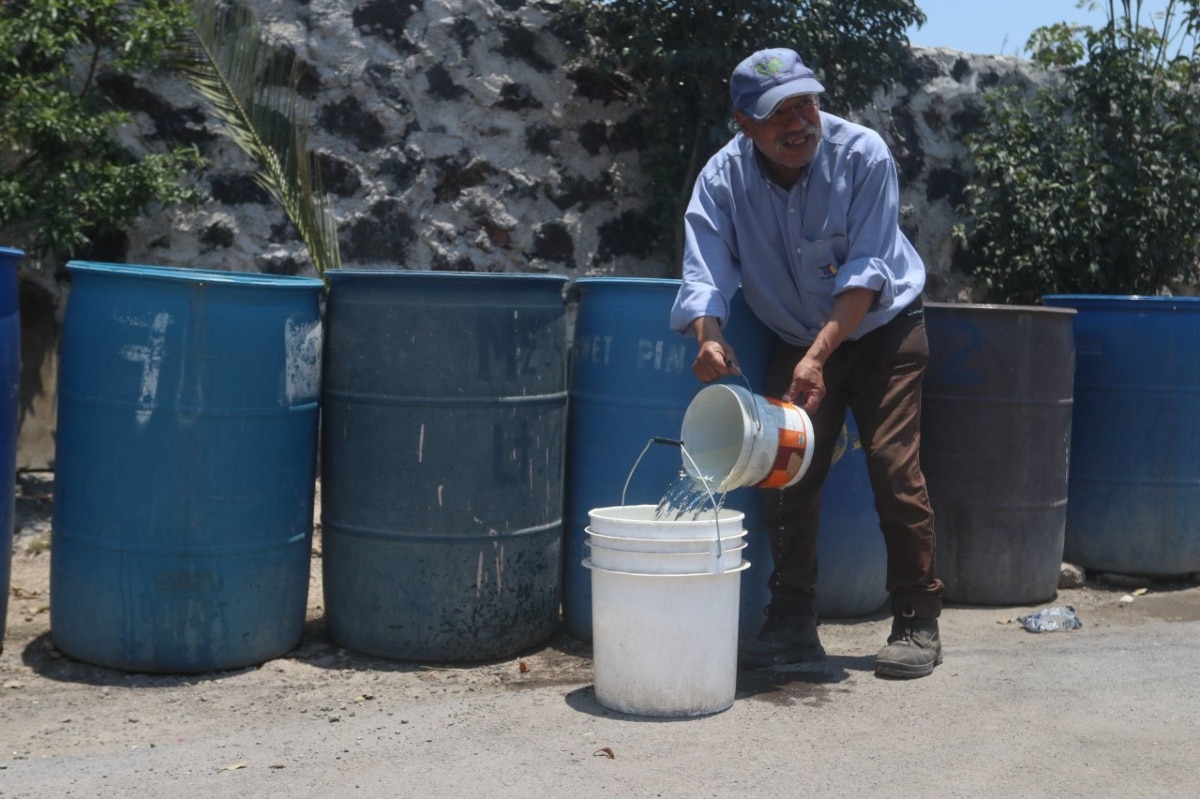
(1092, 183)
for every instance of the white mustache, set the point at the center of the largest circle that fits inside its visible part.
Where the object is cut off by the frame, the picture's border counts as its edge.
(808, 130)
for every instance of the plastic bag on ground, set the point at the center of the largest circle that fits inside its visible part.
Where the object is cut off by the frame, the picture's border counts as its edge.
(1059, 618)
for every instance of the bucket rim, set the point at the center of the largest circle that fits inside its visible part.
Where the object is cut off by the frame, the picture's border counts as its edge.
(740, 535)
(749, 408)
(740, 545)
(743, 565)
(722, 515)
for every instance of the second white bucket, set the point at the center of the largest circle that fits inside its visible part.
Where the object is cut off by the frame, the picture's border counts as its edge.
(734, 439)
(637, 545)
(647, 562)
(665, 645)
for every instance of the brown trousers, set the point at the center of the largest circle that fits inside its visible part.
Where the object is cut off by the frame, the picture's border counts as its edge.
(878, 377)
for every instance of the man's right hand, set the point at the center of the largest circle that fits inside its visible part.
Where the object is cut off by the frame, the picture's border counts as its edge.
(716, 357)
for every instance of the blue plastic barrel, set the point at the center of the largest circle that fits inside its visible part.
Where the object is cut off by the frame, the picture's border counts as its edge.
(851, 554)
(995, 438)
(631, 380)
(185, 467)
(443, 444)
(10, 389)
(1134, 476)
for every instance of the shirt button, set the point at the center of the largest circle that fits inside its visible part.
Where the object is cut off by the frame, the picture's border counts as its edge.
(799, 251)
(791, 210)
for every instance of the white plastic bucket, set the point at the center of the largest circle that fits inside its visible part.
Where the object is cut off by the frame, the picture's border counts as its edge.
(665, 645)
(645, 562)
(665, 545)
(733, 439)
(638, 522)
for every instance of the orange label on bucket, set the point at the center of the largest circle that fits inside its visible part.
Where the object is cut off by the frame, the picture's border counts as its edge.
(789, 456)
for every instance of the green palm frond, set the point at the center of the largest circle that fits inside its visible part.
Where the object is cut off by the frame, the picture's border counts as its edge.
(252, 93)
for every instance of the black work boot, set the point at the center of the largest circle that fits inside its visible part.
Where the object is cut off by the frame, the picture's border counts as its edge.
(789, 636)
(913, 649)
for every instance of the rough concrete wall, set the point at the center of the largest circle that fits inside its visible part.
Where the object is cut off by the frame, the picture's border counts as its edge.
(455, 138)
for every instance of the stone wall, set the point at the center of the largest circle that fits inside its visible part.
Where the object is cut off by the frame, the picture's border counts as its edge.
(455, 138)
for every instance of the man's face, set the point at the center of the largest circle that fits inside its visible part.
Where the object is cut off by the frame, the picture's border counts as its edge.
(789, 137)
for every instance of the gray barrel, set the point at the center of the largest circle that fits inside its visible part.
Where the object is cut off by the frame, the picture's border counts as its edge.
(996, 433)
(442, 462)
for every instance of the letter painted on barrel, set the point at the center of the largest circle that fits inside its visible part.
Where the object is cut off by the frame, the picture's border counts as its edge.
(662, 357)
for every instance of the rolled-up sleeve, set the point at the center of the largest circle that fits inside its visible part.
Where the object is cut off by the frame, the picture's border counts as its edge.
(872, 232)
(711, 273)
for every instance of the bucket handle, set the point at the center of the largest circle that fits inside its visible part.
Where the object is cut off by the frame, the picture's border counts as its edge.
(707, 489)
(753, 405)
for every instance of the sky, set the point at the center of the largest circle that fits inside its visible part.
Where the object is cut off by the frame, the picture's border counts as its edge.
(1002, 27)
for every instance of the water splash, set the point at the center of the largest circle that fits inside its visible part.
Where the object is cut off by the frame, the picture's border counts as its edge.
(686, 498)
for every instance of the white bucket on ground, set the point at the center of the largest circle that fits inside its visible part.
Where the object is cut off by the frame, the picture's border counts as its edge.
(665, 645)
(728, 540)
(638, 522)
(735, 439)
(644, 562)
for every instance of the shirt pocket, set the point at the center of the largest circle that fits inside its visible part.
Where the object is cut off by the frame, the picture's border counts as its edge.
(820, 260)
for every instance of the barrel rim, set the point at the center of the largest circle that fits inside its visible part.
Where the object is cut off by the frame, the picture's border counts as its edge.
(998, 307)
(15, 252)
(1121, 300)
(195, 274)
(341, 274)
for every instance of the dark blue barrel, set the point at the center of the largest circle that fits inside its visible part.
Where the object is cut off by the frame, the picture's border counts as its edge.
(442, 453)
(10, 389)
(631, 380)
(851, 555)
(1135, 465)
(995, 438)
(185, 467)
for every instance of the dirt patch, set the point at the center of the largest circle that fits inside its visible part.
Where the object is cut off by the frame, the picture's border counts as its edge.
(313, 674)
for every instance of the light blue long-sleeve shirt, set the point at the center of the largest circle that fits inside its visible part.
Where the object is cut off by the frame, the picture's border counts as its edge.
(793, 251)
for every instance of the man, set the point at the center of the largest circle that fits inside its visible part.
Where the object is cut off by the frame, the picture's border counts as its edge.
(801, 208)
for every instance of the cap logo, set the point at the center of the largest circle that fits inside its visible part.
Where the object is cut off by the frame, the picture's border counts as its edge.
(770, 68)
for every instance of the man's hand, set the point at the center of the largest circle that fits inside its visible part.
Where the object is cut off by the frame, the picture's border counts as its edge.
(808, 385)
(808, 377)
(715, 358)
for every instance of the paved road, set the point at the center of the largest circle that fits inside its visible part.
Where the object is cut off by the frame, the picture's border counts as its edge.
(1112, 710)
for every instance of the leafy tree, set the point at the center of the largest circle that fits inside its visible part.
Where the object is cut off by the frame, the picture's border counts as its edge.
(1092, 184)
(65, 177)
(673, 59)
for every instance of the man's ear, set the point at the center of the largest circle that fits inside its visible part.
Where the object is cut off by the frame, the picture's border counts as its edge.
(742, 121)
